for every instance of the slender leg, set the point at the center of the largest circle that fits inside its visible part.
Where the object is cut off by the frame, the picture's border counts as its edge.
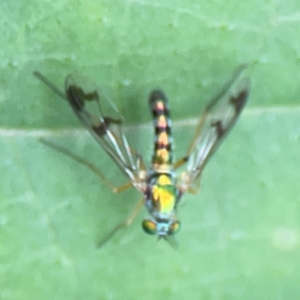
(124, 224)
(184, 159)
(87, 164)
(181, 162)
(47, 82)
(208, 109)
(194, 191)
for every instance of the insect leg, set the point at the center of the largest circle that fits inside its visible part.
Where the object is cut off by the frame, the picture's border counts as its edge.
(181, 162)
(47, 82)
(87, 164)
(208, 109)
(124, 224)
(185, 158)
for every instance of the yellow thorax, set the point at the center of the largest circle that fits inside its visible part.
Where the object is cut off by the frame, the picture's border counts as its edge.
(163, 194)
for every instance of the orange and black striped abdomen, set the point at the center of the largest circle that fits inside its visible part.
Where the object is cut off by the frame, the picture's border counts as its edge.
(163, 135)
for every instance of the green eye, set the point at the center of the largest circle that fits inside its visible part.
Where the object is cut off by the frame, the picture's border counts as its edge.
(174, 228)
(149, 227)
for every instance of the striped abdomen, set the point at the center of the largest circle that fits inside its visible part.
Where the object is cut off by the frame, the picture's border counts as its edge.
(162, 156)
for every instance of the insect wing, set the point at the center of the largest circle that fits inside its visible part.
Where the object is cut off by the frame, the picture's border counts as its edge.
(105, 126)
(219, 117)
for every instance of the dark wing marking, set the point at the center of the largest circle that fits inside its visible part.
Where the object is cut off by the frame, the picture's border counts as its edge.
(218, 119)
(106, 128)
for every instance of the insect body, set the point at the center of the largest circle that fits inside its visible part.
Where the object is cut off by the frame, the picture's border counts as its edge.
(159, 184)
(162, 194)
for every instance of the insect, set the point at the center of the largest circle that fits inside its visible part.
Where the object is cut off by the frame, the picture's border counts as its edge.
(161, 187)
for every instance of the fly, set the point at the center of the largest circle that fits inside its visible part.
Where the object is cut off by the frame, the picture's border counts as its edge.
(159, 184)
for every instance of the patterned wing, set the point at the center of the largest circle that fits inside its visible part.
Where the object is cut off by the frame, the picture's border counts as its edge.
(218, 119)
(105, 125)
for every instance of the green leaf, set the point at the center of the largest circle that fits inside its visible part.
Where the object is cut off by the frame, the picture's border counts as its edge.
(240, 236)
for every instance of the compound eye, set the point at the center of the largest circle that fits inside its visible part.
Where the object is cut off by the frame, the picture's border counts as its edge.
(174, 228)
(149, 227)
